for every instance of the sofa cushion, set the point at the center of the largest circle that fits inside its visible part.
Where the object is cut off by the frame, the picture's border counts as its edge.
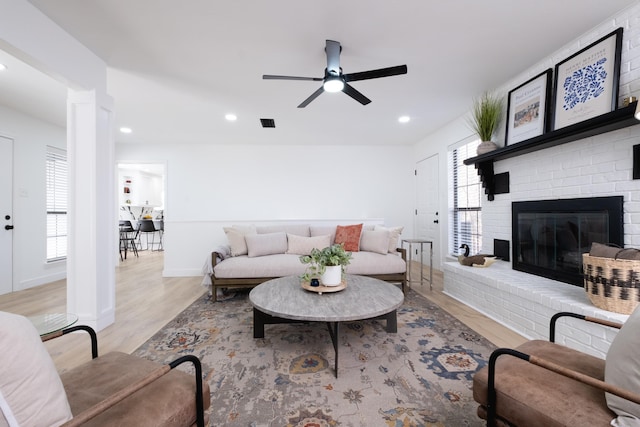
(322, 230)
(371, 263)
(243, 267)
(31, 393)
(375, 241)
(394, 236)
(235, 236)
(266, 244)
(622, 369)
(297, 229)
(349, 236)
(531, 395)
(300, 245)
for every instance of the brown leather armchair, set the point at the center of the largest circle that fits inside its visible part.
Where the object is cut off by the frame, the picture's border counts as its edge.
(541, 383)
(119, 389)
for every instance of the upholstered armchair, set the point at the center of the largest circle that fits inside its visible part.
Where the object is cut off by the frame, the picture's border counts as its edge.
(541, 383)
(114, 389)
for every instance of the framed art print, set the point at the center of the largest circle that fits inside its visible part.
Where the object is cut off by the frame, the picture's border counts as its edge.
(528, 108)
(586, 83)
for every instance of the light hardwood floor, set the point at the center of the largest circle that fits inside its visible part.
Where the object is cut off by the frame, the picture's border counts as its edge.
(146, 301)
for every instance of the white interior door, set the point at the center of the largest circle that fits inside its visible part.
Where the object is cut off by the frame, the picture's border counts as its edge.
(6, 212)
(427, 215)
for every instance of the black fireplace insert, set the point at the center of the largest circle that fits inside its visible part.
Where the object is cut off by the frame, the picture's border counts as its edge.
(550, 236)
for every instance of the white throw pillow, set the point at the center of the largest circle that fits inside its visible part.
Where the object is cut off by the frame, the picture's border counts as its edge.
(235, 236)
(299, 245)
(31, 393)
(266, 244)
(375, 241)
(394, 236)
(622, 368)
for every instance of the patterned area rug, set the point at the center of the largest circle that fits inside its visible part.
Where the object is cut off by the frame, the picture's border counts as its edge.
(419, 376)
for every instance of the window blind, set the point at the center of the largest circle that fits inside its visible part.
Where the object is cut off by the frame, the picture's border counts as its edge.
(57, 190)
(465, 192)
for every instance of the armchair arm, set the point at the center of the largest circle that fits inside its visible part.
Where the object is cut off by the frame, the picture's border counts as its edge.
(545, 364)
(555, 317)
(403, 253)
(87, 329)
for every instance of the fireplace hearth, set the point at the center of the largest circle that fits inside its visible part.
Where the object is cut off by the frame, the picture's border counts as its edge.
(550, 236)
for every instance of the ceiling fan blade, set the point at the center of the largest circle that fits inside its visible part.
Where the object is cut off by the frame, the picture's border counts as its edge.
(271, 77)
(333, 49)
(313, 96)
(374, 74)
(352, 92)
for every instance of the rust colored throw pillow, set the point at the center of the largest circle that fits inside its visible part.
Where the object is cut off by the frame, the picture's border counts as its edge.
(349, 235)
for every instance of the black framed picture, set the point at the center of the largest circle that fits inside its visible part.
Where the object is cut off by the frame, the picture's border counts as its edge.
(587, 82)
(528, 108)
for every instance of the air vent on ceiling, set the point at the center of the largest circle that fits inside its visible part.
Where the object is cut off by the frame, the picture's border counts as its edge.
(268, 123)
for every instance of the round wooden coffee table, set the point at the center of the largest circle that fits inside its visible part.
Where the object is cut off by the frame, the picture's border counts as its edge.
(284, 300)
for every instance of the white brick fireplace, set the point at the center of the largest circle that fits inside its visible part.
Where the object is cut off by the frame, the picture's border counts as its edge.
(596, 166)
(593, 167)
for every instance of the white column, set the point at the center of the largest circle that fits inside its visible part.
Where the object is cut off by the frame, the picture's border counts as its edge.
(92, 222)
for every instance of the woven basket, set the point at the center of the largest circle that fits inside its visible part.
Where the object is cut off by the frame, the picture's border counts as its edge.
(612, 284)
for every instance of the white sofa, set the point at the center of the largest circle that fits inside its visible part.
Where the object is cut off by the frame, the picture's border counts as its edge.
(257, 254)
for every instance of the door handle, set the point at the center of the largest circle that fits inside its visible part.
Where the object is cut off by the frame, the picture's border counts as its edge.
(435, 221)
(8, 227)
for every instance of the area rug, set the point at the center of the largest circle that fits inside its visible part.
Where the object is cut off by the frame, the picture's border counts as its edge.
(419, 376)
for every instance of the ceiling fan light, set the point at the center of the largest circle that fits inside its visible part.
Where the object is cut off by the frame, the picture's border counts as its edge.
(333, 85)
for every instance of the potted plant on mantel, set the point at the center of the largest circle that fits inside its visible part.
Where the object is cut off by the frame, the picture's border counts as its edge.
(485, 119)
(327, 264)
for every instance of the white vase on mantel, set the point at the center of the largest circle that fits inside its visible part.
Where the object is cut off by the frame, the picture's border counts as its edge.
(485, 147)
(332, 276)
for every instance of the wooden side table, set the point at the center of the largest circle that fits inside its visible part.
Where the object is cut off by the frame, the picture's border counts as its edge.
(420, 243)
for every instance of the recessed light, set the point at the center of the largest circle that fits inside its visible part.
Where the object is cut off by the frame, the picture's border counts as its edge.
(125, 130)
(404, 119)
(231, 117)
(3, 67)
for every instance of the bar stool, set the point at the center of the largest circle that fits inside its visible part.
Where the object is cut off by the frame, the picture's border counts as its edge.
(128, 236)
(159, 225)
(146, 226)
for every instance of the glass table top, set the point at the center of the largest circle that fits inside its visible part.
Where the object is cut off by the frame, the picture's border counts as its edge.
(49, 323)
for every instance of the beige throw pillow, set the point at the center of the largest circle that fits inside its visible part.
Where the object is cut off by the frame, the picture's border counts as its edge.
(394, 236)
(31, 393)
(236, 237)
(266, 244)
(375, 241)
(622, 368)
(323, 230)
(299, 245)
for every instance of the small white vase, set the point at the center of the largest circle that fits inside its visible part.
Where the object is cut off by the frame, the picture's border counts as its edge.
(332, 276)
(485, 147)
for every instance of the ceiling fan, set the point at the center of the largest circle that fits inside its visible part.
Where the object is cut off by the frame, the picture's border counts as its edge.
(335, 81)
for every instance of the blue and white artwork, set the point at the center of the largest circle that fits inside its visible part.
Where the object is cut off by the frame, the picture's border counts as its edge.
(587, 82)
(584, 84)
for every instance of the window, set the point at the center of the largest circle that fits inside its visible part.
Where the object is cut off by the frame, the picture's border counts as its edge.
(56, 204)
(465, 192)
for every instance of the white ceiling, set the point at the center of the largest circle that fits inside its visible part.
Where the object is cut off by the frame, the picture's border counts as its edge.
(176, 68)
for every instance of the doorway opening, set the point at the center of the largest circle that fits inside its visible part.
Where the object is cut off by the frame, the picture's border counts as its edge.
(141, 201)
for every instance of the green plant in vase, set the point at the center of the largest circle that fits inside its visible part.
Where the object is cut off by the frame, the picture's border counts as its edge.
(319, 259)
(486, 116)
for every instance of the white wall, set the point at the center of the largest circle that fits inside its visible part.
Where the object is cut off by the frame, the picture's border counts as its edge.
(209, 186)
(31, 137)
(595, 166)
